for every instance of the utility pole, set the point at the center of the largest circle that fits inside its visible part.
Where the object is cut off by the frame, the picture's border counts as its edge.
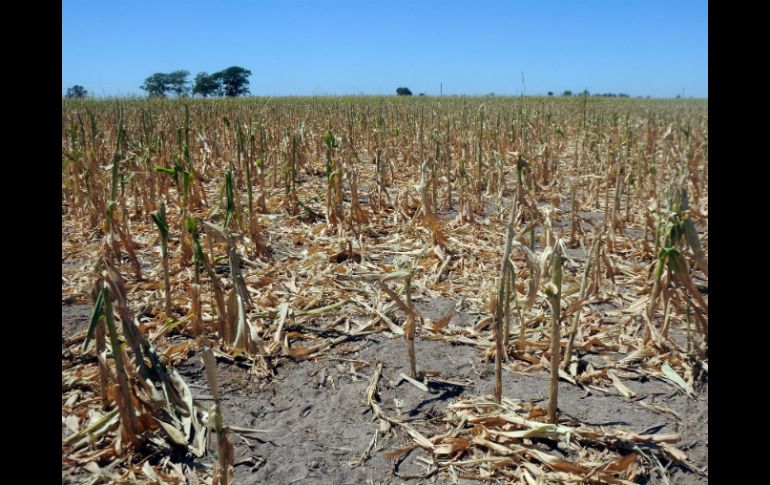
(441, 92)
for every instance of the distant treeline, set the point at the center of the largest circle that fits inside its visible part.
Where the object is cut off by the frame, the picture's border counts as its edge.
(230, 82)
(586, 93)
(612, 95)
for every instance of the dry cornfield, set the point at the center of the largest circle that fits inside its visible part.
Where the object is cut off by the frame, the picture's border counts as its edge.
(385, 290)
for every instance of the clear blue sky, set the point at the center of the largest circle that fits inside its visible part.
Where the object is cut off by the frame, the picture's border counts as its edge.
(640, 47)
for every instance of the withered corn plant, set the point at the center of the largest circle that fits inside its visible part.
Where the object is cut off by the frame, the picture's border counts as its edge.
(182, 178)
(333, 185)
(223, 471)
(676, 232)
(411, 315)
(505, 291)
(553, 292)
(429, 218)
(583, 293)
(290, 179)
(242, 335)
(200, 261)
(112, 225)
(149, 395)
(159, 218)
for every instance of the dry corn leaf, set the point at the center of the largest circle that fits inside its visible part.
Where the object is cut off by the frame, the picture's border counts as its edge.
(450, 446)
(620, 386)
(442, 322)
(419, 385)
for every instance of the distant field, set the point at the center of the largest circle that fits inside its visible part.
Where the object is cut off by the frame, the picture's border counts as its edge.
(330, 272)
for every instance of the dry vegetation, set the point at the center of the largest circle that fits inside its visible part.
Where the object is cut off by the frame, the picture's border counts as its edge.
(266, 232)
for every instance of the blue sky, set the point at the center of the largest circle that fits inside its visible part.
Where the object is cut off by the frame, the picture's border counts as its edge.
(643, 48)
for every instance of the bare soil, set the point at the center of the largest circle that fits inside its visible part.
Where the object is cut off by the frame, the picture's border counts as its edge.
(74, 319)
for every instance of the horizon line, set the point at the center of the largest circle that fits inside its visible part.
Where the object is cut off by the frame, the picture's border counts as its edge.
(421, 95)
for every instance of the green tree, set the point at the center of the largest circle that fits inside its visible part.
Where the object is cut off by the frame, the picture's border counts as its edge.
(177, 82)
(403, 92)
(207, 85)
(235, 81)
(567, 93)
(156, 85)
(76, 91)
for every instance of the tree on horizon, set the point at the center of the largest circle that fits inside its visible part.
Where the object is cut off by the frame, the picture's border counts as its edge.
(156, 85)
(235, 81)
(207, 85)
(76, 91)
(162, 84)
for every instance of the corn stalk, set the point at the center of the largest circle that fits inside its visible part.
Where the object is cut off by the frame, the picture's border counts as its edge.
(553, 292)
(411, 315)
(502, 306)
(159, 218)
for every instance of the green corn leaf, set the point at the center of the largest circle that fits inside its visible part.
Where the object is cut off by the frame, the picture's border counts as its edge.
(170, 171)
(159, 218)
(694, 242)
(109, 320)
(96, 315)
(230, 207)
(191, 225)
